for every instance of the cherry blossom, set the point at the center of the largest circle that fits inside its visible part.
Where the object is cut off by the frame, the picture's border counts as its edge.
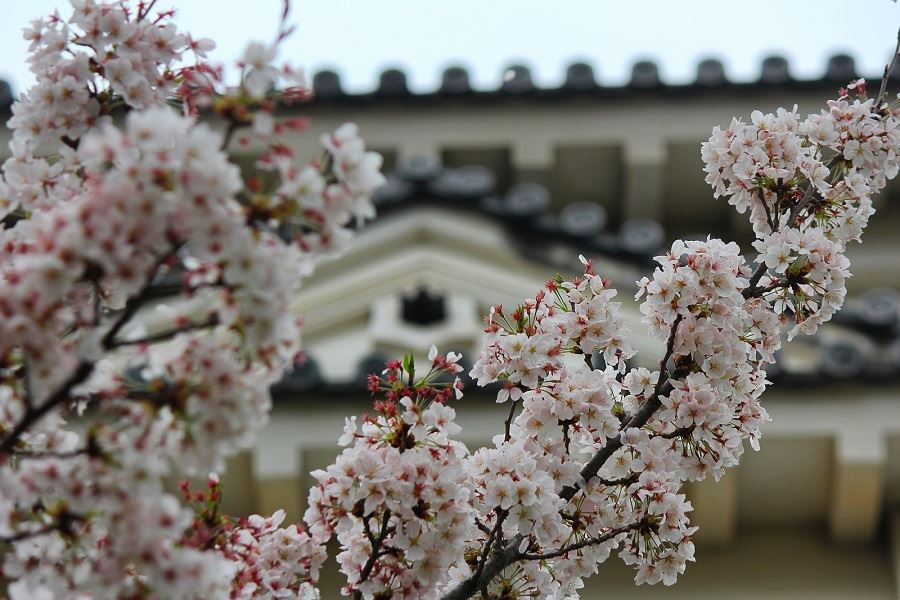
(112, 386)
(164, 388)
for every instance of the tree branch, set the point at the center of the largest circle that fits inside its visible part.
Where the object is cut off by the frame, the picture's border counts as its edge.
(33, 415)
(501, 516)
(507, 424)
(887, 73)
(376, 549)
(163, 336)
(24, 535)
(82, 371)
(510, 553)
(612, 533)
(663, 387)
(496, 563)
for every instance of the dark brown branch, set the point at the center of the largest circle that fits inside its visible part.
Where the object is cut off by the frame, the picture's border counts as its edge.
(808, 195)
(33, 415)
(612, 533)
(588, 360)
(627, 480)
(485, 552)
(565, 431)
(888, 69)
(663, 387)
(496, 563)
(82, 371)
(670, 349)
(134, 303)
(24, 535)
(376, 548)
(34, 455)
(754, 279)
(509, 419)
(163, 336)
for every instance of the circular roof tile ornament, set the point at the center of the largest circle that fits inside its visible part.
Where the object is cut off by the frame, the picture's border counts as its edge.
(455, 80)
(775, 70)
(580, 77)
(645, 74)
(6, 95)
(327, 85)
(879, 308)
(392, 82)
(418, 168)
(469, 182)
(842, 359)
(392, 191)
(711, 73)
(776, 370)
(582, 219)
(641, 236)
(526, 200)
(841, 69)
(517, 80)
(303, 377)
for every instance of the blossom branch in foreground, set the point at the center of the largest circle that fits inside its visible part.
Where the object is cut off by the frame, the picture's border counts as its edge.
(722, 321)
(88, 230)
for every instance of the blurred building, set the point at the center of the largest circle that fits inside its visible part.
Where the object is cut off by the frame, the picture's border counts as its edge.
(489, 194)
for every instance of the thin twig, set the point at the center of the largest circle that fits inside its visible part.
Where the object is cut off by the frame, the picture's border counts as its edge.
(509, 419)
(484, 528)
(169, 333)
(24, 535)
(612, 533)
(82, 371)
(39, 454)
(229, 133)
(376, 547)
(888, 69)
(678, 433)
(501, 516)
(627, 480)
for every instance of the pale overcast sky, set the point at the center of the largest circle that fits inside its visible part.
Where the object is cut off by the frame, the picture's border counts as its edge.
(359, 38)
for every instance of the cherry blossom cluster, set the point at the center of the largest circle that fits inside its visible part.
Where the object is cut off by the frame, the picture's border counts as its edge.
(809, 184)
(397, 498)
(721, 320)
(523, 486)
(275, 561)
(761, 164)
(96, 213)
(568, 316)
(104, 56)
(271, 561)
(95, 521)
